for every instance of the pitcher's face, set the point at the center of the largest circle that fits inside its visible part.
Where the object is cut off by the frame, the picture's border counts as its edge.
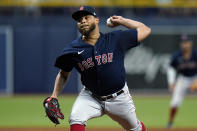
(86, 24)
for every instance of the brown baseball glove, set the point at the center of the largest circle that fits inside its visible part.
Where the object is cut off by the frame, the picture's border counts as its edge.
(52, 110)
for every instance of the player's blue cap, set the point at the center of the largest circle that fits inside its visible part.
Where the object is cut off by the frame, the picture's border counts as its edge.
(84, 10)
(185, 38)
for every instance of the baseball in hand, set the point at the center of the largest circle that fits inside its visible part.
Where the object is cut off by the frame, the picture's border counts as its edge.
(109, 23)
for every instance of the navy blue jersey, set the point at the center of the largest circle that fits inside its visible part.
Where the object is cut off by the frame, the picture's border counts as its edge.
(186, 67)
(101, 66)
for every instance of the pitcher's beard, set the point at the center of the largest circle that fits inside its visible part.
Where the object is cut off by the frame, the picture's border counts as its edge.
(86, 33)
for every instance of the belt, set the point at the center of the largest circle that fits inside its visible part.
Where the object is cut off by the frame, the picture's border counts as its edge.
(104, 98)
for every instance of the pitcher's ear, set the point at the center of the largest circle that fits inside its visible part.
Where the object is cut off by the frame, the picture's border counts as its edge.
(97, 19)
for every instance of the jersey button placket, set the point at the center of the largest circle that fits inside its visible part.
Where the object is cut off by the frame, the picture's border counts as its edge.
(97, 67)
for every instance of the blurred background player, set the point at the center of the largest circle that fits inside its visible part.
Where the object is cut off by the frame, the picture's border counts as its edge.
(183, 64)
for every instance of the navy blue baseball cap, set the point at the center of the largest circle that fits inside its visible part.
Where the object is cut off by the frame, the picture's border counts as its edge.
(185, 38)
(84, 10)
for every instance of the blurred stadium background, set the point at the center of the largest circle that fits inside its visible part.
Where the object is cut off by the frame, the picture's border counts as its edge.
(34, 32)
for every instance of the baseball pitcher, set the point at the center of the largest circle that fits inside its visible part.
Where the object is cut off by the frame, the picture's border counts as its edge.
(99, 58)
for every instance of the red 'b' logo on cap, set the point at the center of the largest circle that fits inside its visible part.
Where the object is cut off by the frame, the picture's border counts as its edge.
(81, 8)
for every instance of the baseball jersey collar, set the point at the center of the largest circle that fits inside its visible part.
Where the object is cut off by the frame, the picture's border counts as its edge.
(85, 43)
